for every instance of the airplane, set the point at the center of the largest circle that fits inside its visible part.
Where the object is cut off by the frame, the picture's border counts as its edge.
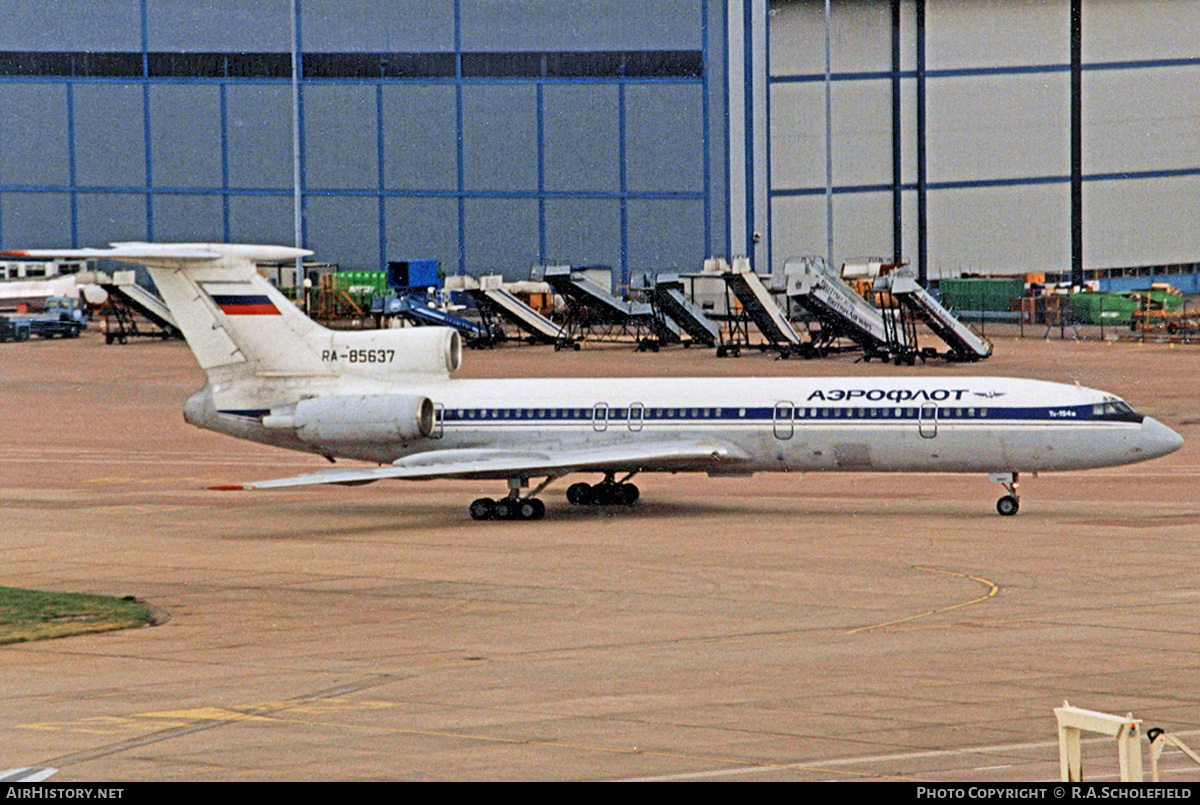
(387, 397)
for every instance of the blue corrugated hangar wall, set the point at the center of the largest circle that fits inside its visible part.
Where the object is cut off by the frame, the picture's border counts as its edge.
(488, 134)
(495, 134)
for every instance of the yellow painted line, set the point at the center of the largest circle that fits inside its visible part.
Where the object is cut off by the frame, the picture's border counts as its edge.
(174, 719)
(993, 589)
(202, 714)
(102, 725)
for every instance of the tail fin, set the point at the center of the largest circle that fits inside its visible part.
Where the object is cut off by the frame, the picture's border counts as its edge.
(230, 316)
(242, 328)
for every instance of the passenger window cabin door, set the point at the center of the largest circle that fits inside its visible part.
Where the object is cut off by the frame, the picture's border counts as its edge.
(637, 414)
(600, 417)
(927, 424)
(439, 419)
(783, 420)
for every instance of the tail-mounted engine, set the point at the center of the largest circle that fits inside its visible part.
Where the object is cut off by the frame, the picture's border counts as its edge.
(393, 353)
(379, 418)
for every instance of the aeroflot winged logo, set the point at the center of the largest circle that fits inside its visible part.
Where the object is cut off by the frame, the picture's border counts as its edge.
(239, 299)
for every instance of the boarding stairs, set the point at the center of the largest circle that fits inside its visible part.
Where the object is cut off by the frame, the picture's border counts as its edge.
(494, 301)
(668, 299)
(127, 301)
(757, 306)
(965, 345)
(419, 310)
(843, 313)
(596, 314)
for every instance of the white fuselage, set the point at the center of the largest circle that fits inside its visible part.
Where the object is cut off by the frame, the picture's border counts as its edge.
(950, 424)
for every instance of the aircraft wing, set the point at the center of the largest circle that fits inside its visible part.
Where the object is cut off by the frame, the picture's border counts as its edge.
(490, 463)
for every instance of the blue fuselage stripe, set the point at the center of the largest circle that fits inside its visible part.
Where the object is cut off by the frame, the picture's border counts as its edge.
(761, 415)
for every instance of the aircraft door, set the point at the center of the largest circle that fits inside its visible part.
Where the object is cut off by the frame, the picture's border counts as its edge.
(600, 417)
(783, 420)
(927, 424)
(637, 413)
(439, 419)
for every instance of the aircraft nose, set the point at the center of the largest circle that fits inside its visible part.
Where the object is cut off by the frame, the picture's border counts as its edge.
(1159, 440)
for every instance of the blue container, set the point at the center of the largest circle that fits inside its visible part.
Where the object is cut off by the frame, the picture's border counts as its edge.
(403, 275)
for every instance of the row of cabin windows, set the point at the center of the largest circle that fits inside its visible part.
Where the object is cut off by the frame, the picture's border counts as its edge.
(883, 413)
(711, 413)
(594, 413)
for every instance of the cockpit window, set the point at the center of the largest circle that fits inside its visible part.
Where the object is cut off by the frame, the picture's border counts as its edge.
(1117, 410)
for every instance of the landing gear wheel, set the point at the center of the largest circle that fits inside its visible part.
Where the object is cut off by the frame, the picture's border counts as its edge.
(483, 509)
(1008, 505)
(614, 494)
(603, 494)
(506, 509)
(531, 509)
(579, 494)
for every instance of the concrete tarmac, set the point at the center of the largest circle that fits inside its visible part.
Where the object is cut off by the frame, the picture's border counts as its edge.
(816, 627)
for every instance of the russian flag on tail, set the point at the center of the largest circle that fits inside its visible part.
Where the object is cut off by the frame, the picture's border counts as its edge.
(240, 299)
(245, 305)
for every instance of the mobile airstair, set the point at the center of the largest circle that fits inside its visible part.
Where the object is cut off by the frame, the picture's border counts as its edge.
(128, 301)
(843, 313)
(668, 299)
(493, 301)
(965, 345)
(595, 314)
(417, 309)
(757, 306)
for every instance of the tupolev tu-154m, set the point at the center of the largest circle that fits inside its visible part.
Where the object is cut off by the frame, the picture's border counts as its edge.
(387, 397)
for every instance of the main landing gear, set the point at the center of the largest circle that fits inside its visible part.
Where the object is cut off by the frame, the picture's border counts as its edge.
(513, 506)
(1010, 503)
(509, 508)
(606, 493)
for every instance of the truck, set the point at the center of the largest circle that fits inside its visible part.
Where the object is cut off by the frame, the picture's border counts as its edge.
(61, 316)
(12, 329)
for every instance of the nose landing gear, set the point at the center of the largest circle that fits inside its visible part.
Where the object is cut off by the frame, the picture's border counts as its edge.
(1010, 503)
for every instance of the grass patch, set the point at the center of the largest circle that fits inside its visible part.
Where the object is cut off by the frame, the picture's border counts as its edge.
(33, 615)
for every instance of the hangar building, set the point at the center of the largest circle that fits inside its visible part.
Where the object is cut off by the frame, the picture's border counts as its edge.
(980, 135)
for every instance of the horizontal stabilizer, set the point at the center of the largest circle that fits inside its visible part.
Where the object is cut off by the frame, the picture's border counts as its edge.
(482, 463)
(166, 253)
